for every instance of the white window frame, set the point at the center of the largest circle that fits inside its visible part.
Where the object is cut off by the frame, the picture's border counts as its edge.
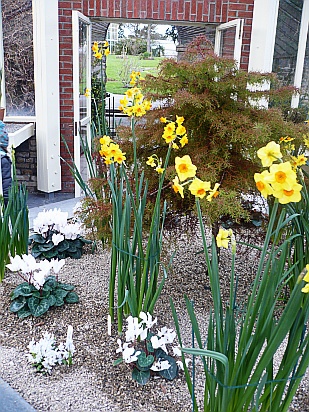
(85, 121)
(238, 24)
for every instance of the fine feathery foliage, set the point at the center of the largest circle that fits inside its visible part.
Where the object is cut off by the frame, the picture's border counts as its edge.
(224, 109)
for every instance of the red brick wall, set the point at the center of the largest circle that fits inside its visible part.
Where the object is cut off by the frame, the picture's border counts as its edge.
(199, 11)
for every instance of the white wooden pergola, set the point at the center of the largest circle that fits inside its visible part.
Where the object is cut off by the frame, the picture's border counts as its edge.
(46, 69)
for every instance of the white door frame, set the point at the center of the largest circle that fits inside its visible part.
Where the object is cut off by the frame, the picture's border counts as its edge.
(85, 120)
(238, 24)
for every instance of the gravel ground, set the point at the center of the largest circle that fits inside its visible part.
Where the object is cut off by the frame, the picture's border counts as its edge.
(92, 383)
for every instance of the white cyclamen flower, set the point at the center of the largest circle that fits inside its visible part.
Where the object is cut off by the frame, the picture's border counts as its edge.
(134, 329)
(57, 264)
(176, 351)
(16, 263)
(160, 365)
(57, 238)
(180, 364)
(129, 354)
(38, 279)
(147, 319)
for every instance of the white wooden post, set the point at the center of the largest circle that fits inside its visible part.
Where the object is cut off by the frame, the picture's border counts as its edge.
(263, 35)
(47, 108)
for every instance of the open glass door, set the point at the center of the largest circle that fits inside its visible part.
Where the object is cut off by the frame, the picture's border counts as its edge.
(81, 82)
(228, 39)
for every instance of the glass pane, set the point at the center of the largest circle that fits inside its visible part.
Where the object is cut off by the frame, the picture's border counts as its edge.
(286, 42)
(228, 42)
(18, 57)
(83, 53)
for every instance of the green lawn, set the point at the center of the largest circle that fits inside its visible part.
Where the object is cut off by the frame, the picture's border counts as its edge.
(119, 70)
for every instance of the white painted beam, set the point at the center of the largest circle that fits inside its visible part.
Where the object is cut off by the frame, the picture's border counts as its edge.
(47, 107)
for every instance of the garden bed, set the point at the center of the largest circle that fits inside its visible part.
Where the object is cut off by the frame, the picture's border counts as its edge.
(93, 383)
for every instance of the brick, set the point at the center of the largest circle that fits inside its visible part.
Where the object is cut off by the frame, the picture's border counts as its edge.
(187, 10)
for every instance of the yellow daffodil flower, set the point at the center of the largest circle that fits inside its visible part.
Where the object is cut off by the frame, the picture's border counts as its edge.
(299, 160)
(108, 161)
(199, 188)
(285, 196)
(87, 93)
(106, 52)
(95, 47)
(163, 120)
(160, 169)
(175, 146)
(124, 101)
(105, 140)
(262, 185)
(180, 130)
(105, 150)
(184, 140)
(177, 187)
(213, 192)
(286, 139)
(184, 167)
(269, 153)
(305, 289)
(98, 55)
(170, 128)
(151, 161)
(105, 44)
(281, 174)
(119, 157)
(179, 119)
(114, 149)
(223, 238)
(168, 137)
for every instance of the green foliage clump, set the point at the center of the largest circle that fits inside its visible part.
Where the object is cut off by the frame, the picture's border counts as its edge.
(14, 223)
(27, 300)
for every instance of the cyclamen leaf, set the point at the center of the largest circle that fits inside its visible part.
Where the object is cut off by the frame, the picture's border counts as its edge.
(172, 371)
(24, 312)
(50, 254)
(141, 377)
(37, 238)
(60, 293)
(144, 362)
(45, 247)
(24, 289)
(66, 286)
(17, 304)
(75, 255)
(64, 245)
(51, 300)
(117, 362)
(38, 307)
(72, 297)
